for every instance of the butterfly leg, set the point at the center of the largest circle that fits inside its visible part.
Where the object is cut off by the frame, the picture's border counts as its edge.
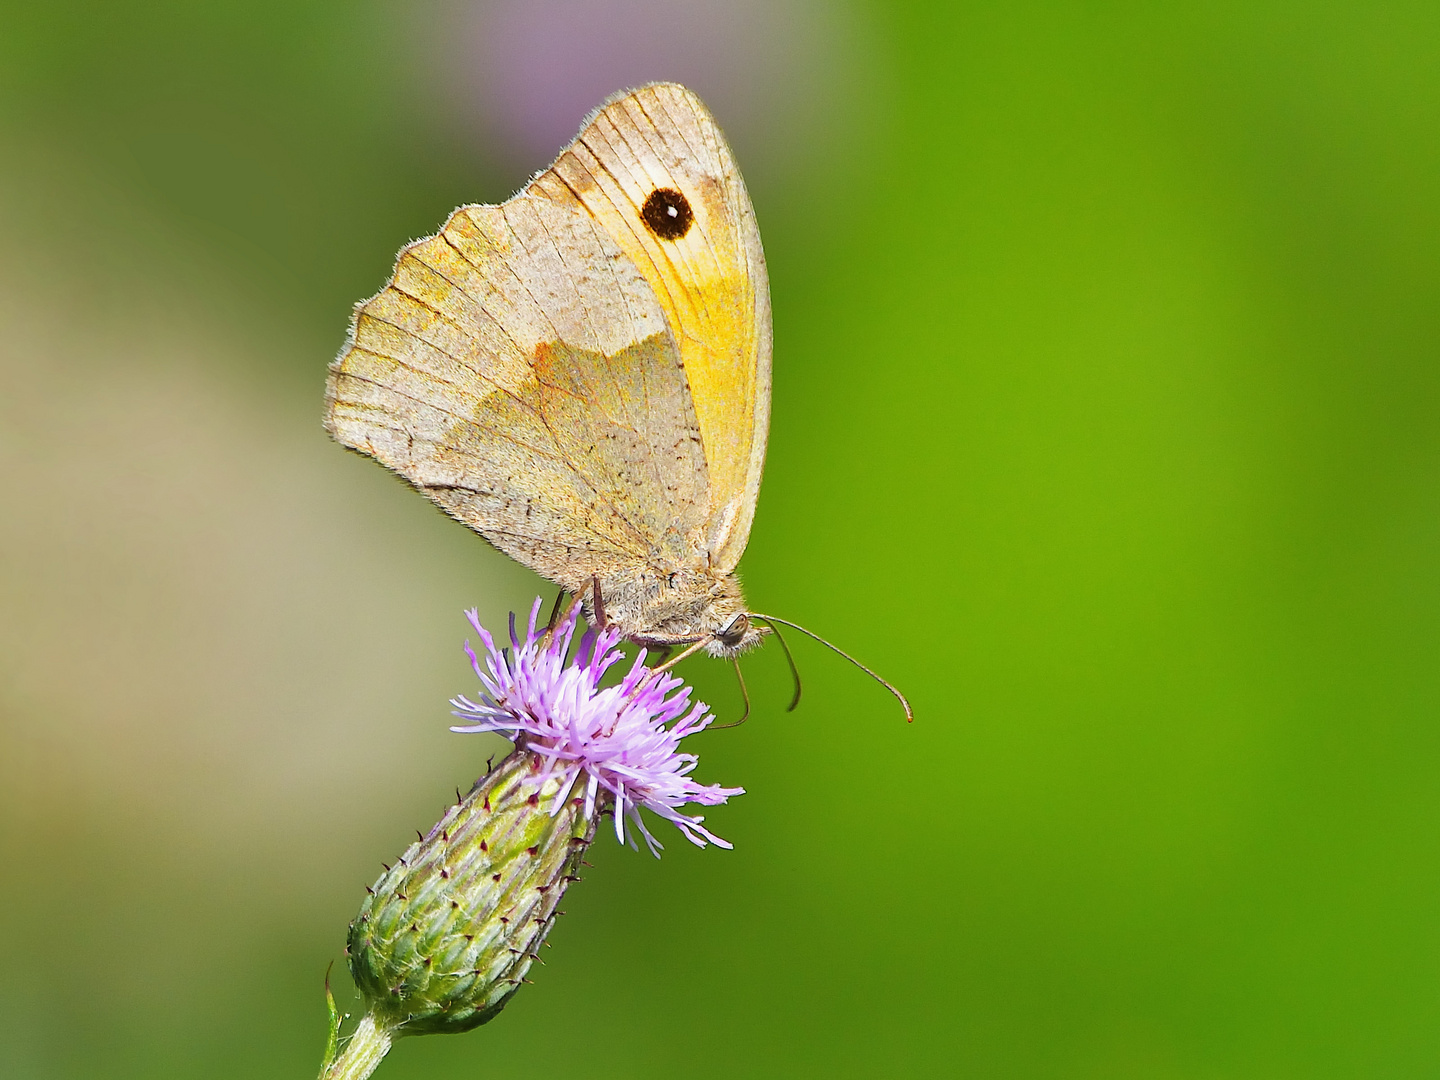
(600, 621)
(549, 631)
(555, 612)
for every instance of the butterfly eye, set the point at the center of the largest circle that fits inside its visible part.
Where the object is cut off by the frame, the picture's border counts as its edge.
(667, 214)
(734, 631)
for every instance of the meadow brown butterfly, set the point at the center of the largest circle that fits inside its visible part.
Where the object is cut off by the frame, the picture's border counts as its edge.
(582, 373)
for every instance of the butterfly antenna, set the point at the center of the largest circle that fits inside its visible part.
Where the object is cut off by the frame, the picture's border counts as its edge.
(905, 704)
(790, 659)
(743, 693)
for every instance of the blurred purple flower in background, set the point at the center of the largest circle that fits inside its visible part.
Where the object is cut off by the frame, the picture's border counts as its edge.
(518, 75)
(623, 739)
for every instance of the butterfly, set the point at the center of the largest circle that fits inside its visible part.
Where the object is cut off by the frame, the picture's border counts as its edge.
(581, 374)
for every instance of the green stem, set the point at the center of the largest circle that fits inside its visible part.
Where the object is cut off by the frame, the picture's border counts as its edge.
(362, 1053)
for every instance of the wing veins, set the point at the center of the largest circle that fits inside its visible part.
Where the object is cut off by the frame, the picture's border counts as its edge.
(610, 266)
(459, 362)
(560, 459)
(520, 350)
(594, 331)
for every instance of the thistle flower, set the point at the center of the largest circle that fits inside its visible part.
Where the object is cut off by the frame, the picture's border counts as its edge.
(616, 737)
(448, 933)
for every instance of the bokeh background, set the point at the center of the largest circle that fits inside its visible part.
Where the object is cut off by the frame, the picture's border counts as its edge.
(1105, 423)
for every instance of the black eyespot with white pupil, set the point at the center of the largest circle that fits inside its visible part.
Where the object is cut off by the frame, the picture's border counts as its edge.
(667, 214)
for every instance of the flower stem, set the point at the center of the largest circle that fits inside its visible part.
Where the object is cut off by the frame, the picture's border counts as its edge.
(362, 1053)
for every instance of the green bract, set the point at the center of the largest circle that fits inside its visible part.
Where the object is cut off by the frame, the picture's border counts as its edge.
(449, 931)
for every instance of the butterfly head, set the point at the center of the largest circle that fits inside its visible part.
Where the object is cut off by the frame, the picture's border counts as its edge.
(722, 620)
(739, 634)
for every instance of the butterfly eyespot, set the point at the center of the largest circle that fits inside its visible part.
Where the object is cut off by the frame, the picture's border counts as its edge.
(667, 214)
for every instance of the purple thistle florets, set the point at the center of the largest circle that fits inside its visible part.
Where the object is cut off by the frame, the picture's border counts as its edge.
(616, 736)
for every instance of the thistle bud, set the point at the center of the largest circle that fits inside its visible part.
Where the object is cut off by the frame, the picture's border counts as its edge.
(450, 930)
(447, 933)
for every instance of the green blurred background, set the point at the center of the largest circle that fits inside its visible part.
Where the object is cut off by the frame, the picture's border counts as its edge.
(1105, 423)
